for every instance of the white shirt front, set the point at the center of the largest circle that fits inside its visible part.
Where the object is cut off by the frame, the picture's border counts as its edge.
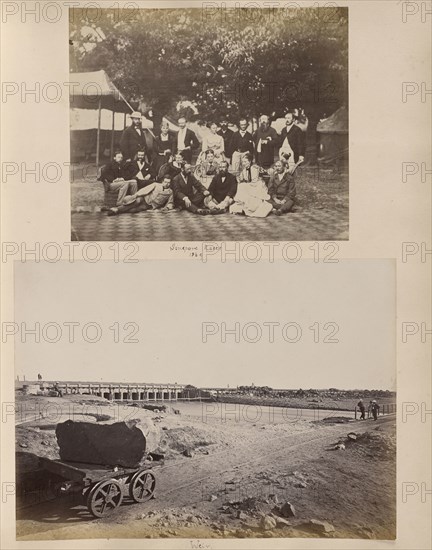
(139, 173)
(181, 139)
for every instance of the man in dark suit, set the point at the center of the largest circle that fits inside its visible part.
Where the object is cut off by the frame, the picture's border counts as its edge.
(115, 178)
(282, 189)
(222, 189)
(292, 143)
(266, 139)
(189, 193)
(227, 135)
(186, 141)
(241, 143)
(133, 138)
(140, 170)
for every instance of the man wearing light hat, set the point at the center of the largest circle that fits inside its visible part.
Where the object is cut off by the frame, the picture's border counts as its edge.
(133, 138)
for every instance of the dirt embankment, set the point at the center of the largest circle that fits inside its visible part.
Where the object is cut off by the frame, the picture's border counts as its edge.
(236, 479)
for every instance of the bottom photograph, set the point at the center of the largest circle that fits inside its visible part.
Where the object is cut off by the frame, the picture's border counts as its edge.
(243, 439)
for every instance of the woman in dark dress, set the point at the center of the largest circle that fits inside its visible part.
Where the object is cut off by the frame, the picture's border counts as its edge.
(163, 147)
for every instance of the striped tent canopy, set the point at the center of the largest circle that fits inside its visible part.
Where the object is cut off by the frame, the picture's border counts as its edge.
(86, 90)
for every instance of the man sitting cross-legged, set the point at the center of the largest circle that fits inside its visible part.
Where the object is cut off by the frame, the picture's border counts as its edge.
(156, 196)
(115, 179)
(189, 193)
(282, 189)
(222, 188)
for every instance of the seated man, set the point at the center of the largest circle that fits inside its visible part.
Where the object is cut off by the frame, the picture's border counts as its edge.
(172, 167)
(189, 193)
(222, 189)
(207, 169)
(139, 170)
(156, 196)
(282, 189)
(113, 178)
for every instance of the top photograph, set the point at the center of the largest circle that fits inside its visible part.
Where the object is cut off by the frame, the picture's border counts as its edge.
(209, 124)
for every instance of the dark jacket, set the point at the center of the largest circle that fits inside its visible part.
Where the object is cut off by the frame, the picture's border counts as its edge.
(168, 169)
(221, 189)
(282, 189)
(227, 137)
(186, 188)
(131, 169)
(242, 144)
(266, 157)
(296, 140)
(131, 142)
(190, 141)
(160, 146)
(112, 171)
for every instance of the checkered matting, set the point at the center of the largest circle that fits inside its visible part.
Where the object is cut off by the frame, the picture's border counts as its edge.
(300, 225)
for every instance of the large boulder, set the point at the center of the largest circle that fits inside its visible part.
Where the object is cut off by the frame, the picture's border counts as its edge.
(108, 444)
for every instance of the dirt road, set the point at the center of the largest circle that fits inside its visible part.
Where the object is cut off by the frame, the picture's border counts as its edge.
(231, 482)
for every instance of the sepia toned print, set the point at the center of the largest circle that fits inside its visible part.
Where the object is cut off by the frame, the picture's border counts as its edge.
(189, 125)
(238, 422)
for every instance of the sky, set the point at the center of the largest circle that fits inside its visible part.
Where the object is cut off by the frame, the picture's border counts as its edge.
(172, 313)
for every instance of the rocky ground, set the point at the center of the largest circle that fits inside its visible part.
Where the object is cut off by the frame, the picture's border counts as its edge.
(224, 478)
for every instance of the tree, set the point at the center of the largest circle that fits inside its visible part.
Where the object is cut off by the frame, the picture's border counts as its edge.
(241, 65)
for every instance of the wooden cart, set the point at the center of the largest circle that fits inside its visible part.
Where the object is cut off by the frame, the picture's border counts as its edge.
(103, 487)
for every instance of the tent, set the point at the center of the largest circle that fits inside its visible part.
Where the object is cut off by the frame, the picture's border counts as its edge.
(333, 136)
(98, 113)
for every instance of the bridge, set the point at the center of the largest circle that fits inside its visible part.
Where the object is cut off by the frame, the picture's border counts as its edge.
(114, 391)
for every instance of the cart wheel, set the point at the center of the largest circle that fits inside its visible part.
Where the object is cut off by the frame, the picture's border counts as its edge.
(142, 486)
(104, 497)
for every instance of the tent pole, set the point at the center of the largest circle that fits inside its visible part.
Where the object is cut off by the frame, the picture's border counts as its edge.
(112, 134)
(98, 133)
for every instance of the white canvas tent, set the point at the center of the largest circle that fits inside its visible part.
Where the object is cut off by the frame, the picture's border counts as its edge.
(96, 104)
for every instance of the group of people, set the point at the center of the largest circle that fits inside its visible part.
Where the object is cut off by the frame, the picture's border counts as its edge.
(373, 409)
(234, 172)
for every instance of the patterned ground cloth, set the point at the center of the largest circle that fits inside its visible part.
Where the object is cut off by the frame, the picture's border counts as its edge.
(301, 225)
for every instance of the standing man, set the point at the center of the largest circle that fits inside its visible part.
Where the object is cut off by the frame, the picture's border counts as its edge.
(139, 169)
(374, 408)
(113, 178)
(282, 189)
(186, 142)
(189, 193)
(266, 140)
(222, 189)
(362, 409)
(292, 142)
(241, 143)
(226, 135)
(133, 138)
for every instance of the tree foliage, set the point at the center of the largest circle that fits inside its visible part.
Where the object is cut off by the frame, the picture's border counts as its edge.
(245, 63)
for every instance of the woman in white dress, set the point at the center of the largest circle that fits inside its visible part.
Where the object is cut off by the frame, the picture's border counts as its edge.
(213, 141)
(252, 196)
